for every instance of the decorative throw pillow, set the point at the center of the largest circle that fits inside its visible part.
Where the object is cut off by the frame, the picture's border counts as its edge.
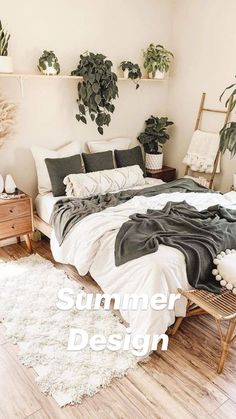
(58, 169)
(113, 144)
(98, 161)
(130, 157)
(225, 272)
(89, 184)
(42, 153)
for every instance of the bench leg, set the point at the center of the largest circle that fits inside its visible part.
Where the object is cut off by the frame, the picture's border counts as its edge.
(226, 342)
(177, 325)
(179, 320)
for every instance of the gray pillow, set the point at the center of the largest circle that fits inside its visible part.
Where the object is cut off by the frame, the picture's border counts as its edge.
(95, 162)
(58, 169)
(130, 157)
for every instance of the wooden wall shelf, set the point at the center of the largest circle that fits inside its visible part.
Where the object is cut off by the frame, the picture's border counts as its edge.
(21, 77)
(61, 76)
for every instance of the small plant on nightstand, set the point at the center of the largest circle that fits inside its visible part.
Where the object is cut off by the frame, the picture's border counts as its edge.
(153, 138)
(131, 71)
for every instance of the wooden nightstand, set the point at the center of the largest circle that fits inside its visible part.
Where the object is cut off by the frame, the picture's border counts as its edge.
(167, 174)
(16, 219)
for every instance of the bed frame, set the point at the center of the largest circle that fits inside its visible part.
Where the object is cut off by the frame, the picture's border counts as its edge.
(42, 226)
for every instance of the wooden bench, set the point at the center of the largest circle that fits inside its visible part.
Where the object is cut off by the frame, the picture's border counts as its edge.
(221, 306)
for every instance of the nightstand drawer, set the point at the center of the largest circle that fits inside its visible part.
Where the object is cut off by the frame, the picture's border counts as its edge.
(14, 210)
(15, 227)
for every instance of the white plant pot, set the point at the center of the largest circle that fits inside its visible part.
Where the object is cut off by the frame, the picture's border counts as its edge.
(235, 181)
(126, 73)
(49, 70)
(159, 75)
(154, 161)
(6, 65)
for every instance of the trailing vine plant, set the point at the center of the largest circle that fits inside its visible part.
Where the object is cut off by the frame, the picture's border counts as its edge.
(134, 72)
(97, 90)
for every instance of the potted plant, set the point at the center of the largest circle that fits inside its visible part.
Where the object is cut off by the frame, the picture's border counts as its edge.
(153, 138)
(228, 132)
(131, 71)
(157, 61)
(97, 90)
(48, 63)
(6, 65)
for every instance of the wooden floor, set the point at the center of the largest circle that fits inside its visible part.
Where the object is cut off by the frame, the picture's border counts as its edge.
(180, 383)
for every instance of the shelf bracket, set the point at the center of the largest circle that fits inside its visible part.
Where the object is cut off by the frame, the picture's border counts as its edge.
(20, 79)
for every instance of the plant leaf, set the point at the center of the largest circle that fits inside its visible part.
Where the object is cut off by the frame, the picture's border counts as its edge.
(83, 119)
(82, 109)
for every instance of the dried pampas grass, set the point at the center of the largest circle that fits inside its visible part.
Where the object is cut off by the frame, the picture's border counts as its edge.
(7, 118)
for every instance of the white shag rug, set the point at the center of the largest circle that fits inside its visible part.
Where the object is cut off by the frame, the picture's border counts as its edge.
(28, 297)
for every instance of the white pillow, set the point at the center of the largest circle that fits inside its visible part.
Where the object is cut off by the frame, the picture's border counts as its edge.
(114, 144)
(225, 271)
(84, 185)
(42, 153)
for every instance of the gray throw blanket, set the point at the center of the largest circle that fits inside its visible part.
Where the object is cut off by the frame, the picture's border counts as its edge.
(67, 212)
(200, 236)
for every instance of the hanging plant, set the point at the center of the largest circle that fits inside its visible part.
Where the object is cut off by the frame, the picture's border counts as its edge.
(131, 71)
(97, 90)
(228, 132)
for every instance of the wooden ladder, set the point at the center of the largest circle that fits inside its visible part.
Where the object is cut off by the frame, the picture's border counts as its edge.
(202, 109)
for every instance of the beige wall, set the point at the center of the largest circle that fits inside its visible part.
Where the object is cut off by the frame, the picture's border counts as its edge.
(204, 41)
(46, 115)
(202, 36)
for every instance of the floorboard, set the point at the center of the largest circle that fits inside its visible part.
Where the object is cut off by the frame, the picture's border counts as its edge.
(179, 383)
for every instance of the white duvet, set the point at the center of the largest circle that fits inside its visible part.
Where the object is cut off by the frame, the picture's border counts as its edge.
(90, 247)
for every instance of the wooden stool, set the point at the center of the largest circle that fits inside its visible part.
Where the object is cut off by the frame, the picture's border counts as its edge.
(221, 306)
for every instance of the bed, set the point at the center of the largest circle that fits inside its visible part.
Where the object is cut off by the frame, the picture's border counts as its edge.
(90, 248)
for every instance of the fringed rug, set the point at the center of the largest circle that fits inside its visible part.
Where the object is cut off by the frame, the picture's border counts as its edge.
(28, 296)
